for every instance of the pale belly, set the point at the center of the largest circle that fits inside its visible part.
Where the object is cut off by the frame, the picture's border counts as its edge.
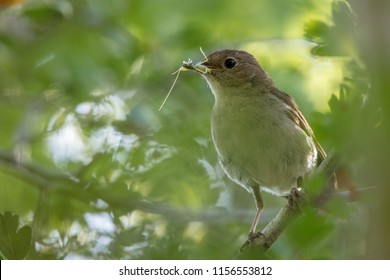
(255, 149)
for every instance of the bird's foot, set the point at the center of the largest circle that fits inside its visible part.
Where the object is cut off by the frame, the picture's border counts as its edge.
(296, 197)
(252, 236)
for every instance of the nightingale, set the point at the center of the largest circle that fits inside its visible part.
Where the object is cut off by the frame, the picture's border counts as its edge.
(262, 139)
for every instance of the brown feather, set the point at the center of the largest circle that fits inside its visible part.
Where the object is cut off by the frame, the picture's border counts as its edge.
(299, 119)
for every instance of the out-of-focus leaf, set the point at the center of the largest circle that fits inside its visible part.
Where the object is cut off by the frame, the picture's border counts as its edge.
(306, 232)
(80, 86)
(336, 39)
(15, 242)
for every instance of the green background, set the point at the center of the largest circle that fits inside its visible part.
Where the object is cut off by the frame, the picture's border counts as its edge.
(90, 164)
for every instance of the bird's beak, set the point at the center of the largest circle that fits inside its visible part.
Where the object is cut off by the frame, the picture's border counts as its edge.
(198, 66)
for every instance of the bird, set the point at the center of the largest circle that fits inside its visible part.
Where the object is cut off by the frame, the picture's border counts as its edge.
(262, 139)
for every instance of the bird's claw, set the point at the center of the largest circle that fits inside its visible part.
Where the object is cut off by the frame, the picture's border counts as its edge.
(251, 238)
(296, 197)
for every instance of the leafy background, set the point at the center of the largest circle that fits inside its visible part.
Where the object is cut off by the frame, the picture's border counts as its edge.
(90, 169)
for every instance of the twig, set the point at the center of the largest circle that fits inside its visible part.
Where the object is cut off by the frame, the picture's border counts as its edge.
(52, 181)
(288, 213)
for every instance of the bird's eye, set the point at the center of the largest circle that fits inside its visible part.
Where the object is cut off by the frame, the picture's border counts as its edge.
(230, 63)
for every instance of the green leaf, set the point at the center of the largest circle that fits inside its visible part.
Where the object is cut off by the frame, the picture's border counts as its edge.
(336, 38)
(309, 230)
(315, 29)
(14, 243)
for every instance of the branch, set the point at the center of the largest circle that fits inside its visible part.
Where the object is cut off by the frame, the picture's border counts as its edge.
(43, 178)
(53, 181)
(297, 201)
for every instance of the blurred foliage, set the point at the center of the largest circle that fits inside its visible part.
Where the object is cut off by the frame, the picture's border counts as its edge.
(14, 243)
(88, 161)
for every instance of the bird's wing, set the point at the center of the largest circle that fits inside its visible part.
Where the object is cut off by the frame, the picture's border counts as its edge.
(297, 117)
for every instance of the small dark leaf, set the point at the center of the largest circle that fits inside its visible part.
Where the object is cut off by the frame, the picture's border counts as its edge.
(44, 14)
(315, 29)
(14, 243)
(321, 50)
(22, 242)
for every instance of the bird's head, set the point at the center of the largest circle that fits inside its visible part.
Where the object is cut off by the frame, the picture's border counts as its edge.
(228, 71)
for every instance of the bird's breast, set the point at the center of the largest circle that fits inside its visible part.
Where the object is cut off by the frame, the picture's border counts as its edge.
(259, 144)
